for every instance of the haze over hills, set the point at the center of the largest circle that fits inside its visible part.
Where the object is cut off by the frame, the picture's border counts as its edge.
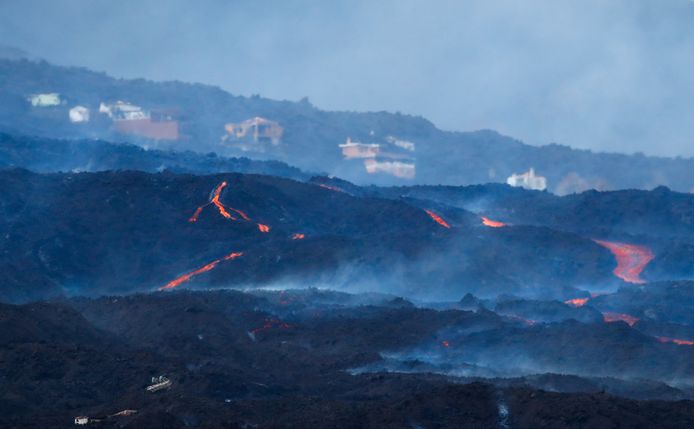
(175, 256)
(53, 155)
(181, 116)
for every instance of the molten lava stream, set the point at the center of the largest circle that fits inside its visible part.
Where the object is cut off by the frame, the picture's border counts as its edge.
(492, 223)
(675, 341)
(214, 200)
(631, 260)
(224, 210)
(194, 218)
(233, 255)
(218, 204)
(577, 302)
(609, 317)
(240, 213)
(205, 268)
(438, 219)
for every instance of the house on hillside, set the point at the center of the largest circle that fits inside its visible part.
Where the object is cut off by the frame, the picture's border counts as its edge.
(392, 156)
(158, 383)
(402, 144)
(253, 134)
(352, 150)
(79, 114)
(120, 111)
(134, 120)
(528, 180)
(45, 100)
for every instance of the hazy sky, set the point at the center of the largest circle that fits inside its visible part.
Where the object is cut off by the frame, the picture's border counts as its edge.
(615, 75)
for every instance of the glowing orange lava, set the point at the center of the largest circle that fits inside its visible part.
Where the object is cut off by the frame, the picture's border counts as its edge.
(224, 210)
(205, 268)
(194, 218)
(619, 317)
(233, 255)
(240, 213)
(438, 219)
(298, 236)
(631, 260)
(218, 204)
(577, 302)
(185, 277)
(215, 201)
(492, 223)
(675, 341)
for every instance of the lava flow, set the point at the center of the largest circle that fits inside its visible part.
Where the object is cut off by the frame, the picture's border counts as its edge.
(205, 268)
(619, 317)
(224, 210)
(631, 260)
(214, 200)
(577, 302)
(438, 219)
(675, 341)
(194, 218)
(492, 223)
(218, 204)
(233, 255)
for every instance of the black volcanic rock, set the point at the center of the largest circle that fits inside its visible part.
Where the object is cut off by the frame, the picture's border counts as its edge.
(659, 219)
(669, 302)
(548, 311)
(95, 357)
(625, 213)
(533, 409)
(49, 155)
(116, 232)
(600, 349)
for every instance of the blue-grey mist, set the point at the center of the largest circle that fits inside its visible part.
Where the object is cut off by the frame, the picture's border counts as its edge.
(613, 75)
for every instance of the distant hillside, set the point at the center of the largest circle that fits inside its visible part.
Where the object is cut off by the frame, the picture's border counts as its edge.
(311, 136)
(51, 155)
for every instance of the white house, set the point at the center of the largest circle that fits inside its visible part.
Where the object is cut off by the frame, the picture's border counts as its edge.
(122, 111)
(79, 114)
(45, 100)
(403, 144)
(528, 180)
